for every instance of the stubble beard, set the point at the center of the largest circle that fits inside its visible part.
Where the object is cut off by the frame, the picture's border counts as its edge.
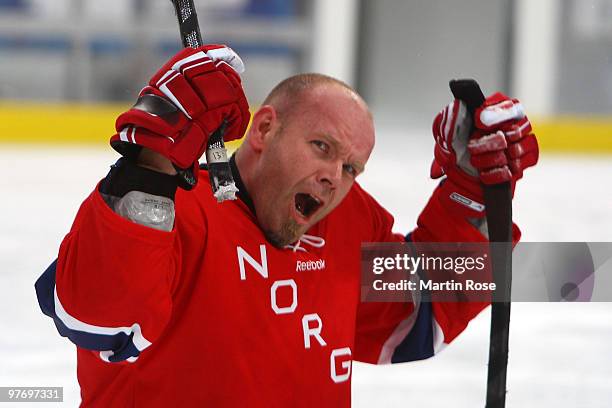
(287, 234)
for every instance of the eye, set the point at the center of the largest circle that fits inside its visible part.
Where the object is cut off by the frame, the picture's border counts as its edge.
(324, 147)
(350, 170)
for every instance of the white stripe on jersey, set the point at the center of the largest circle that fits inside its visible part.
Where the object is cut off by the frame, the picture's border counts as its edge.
(73, 323)
(398, 335)
(438, 337)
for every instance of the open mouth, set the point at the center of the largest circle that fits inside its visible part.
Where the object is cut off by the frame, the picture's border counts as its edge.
(306, 205)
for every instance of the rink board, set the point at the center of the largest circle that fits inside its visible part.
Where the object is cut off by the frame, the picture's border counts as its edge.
(31, 123)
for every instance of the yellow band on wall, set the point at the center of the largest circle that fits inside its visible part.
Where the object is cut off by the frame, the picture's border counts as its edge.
(574, 134)
(45, 124)
(57, 123)
(39, 123)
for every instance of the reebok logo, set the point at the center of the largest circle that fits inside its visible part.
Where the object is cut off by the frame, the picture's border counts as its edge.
(310, 265)
(458, 198)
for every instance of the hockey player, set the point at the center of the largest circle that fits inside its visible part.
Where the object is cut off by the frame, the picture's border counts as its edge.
(175, 300)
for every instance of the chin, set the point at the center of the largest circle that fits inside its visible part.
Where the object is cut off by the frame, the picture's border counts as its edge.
(289, 233)
(279, 241)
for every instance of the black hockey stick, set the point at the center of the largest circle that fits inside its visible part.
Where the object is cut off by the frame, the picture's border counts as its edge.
(219, 171)
(498, 203)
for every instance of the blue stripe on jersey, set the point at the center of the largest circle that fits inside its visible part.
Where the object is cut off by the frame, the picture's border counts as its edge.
(418, 344)
(121, 343)
(44, 290)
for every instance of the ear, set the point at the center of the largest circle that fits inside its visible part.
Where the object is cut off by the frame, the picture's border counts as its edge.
(263, 126)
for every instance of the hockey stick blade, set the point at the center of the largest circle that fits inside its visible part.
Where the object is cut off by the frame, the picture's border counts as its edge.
(498, 203)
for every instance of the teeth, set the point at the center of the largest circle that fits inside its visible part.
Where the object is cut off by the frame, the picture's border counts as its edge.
(300, 207)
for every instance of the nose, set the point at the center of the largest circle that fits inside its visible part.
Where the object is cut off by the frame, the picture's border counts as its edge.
(331, 174)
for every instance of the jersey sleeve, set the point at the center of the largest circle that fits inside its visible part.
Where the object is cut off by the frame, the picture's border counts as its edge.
(110, 288)
(402, 332)
(380, 327)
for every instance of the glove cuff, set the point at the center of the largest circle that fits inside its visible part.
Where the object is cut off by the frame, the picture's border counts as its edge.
(449, 217)
(125, 176)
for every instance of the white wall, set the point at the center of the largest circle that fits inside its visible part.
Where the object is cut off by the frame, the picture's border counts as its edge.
(536, 49)
(334, 43)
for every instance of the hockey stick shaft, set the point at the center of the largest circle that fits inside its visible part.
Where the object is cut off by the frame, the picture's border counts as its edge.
(188, 23)
(498, 203)
(219, 171)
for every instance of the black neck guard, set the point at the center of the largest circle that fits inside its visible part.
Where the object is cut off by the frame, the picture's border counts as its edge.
(243, 194)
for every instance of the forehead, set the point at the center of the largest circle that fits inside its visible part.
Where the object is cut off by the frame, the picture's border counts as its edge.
(338, 113)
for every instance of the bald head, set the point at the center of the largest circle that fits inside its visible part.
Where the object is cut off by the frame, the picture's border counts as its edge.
(294, 91)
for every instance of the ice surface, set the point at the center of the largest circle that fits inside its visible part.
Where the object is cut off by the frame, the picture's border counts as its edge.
(560, 354)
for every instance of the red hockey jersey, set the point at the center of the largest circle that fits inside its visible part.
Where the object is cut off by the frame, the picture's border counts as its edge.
(211, 314)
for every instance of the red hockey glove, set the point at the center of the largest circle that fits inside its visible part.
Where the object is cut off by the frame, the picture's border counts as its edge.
(188, 99)
(500, 148)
